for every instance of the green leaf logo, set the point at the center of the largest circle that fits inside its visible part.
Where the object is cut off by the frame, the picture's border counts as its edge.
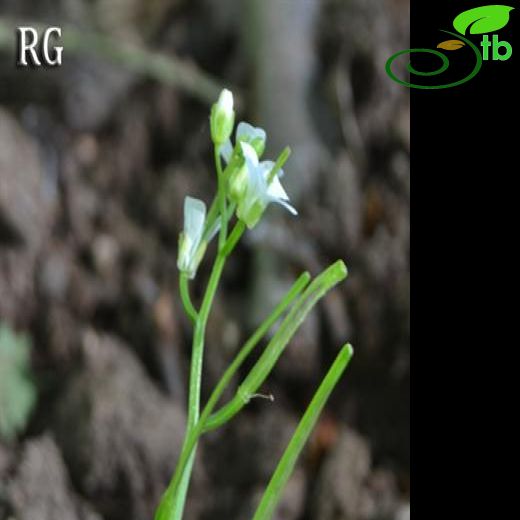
(481, 20)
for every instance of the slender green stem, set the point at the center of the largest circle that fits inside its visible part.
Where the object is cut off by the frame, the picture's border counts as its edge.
(186, 299)
(234, 161)
(172, 503)
(211, 218)
(285, 467)
(314, 292)
(221, 200)
(195, 377)
(198, 341)
(278, 165)
(182, 492)
(186, 457)
(214, 210)
(240, 227)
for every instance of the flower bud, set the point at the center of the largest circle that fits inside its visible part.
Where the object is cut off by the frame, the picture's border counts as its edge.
(259, 146)
(222, 118)
(250, 214)
(238, 183)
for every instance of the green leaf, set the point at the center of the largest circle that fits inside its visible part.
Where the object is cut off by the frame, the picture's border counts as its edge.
(274, 490)
(17, 392)
(274, 349)
(482, 20)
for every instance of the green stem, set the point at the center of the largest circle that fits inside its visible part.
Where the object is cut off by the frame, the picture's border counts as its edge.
(210, 218)
(214, 210)
(182, 492)
(278, 165)
(196, 375)
(172, 503)
(187, 454)
(239, 228)
(185, 297)
(221, 200)
(285, 467)
(213, 214)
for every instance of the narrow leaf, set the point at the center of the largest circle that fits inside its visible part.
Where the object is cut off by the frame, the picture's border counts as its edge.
(285, 467)
(305, 303)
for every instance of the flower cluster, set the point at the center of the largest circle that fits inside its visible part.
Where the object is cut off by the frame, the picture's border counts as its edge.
(246, 186)
(250, 184)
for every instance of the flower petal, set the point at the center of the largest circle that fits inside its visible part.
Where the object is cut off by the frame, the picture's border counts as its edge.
(248, 132)
(194, 217)
(226, 150)
(287, 206)
(275, 190)
(249, 155)
(266, 167)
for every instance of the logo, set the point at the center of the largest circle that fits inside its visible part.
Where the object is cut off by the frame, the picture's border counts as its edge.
(30, 52)
(478, 21)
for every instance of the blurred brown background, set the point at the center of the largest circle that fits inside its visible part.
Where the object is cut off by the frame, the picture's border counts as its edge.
(96, 158)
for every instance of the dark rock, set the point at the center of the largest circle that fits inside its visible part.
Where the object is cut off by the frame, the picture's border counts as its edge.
(241, 460)
(25, 217)
(40, 488)
(348, 488)
(341, 492)
(292, 502)
(120, 436)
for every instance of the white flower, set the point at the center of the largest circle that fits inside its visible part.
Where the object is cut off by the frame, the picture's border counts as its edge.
(255, 136)
(191, 245)
(258, 190)
(222, 118)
